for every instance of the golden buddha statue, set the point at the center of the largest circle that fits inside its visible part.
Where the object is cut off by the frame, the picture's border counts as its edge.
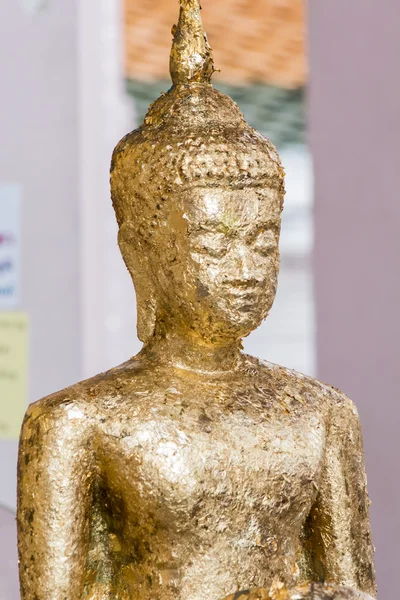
(194, 471)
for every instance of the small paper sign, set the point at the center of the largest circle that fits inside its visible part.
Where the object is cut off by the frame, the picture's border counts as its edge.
(13, 372)
(10, 245)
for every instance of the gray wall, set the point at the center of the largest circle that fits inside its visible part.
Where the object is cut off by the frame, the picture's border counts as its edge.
(354, 118)
(39, 147)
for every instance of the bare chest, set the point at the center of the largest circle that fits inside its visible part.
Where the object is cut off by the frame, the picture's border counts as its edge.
(186, 466)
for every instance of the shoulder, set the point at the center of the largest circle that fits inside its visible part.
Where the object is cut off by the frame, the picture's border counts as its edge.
(306, 388)
(81, 404)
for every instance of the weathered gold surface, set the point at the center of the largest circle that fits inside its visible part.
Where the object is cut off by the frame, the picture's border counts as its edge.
(193, 471)
(312, 591)
(191, 58)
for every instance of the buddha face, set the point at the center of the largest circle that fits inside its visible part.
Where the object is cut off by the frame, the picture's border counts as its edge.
(215, 261)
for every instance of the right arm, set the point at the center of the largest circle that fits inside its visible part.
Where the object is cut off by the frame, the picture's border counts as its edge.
(55, 473)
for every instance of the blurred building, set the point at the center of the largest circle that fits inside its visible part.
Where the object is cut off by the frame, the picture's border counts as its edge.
(253, 41)
(259, 49)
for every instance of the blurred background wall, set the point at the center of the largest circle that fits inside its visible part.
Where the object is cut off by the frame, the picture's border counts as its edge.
(76, 76)
(39, 152)
(354, 130)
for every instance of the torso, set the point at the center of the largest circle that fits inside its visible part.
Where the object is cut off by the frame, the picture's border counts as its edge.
(204, 484)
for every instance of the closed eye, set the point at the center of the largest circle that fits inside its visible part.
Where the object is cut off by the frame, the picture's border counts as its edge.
(265, 243)
(213, 251)
(215, 245)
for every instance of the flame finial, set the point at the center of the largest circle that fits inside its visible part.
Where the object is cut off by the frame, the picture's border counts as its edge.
(191, 56)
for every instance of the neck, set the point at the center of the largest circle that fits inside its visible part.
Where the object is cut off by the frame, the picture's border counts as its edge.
(186, 352)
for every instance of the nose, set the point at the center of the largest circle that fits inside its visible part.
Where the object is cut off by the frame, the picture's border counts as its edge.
(245, 264)
(243, 269)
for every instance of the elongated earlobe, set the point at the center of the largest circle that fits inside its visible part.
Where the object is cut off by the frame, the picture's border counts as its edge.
(146, 316)
(137, 265)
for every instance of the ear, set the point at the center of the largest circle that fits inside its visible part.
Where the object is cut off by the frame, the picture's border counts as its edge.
(135, 259)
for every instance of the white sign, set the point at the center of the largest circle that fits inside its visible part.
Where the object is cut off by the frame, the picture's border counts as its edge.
(33, 7)
(10, 240)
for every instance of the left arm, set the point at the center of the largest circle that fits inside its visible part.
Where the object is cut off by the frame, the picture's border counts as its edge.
(337, 545)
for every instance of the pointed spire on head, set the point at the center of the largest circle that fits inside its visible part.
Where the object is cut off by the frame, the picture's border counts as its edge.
(191, 58)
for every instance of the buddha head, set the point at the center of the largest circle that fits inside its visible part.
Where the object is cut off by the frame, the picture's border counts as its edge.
(198, 196)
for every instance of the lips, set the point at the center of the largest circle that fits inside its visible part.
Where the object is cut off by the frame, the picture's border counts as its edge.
(243, 300)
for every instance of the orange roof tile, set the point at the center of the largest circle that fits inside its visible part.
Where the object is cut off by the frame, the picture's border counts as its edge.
(253, 40)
